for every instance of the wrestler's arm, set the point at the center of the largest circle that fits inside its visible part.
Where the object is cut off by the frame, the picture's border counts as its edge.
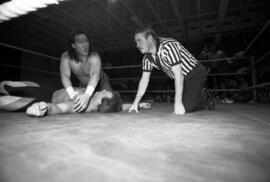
(82, 100)
(65, 108)
(60, 96)
(65, 70)
(42, 108)
(95, 69)
(65, 105)
(65, 73)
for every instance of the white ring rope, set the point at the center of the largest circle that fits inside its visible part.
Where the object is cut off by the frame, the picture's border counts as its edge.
(15, 8)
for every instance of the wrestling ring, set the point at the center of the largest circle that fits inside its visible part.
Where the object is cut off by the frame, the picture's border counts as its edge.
(231, 143)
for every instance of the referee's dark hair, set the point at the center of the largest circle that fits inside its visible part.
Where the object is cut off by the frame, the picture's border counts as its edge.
(147, 30)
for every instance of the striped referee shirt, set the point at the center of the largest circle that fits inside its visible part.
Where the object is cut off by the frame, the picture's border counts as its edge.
(169, 53)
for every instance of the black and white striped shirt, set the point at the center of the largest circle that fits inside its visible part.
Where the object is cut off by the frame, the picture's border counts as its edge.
(169, 53)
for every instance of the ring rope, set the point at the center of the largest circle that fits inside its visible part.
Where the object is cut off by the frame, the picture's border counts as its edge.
(120, 67)
(258, 86)
(259, 60)
(256, 37)
(105, 68)
(139, 65)
(132, 66)
(159, 77)
(226, 74)
(29, 51)
(211, 90)
(155, 77)
(30, 69)
(113, 79)
(172, 91)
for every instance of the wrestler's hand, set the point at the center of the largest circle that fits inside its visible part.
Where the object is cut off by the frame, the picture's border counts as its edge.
(81, 102)
(38, 109)
(179, 109)
(133, 108)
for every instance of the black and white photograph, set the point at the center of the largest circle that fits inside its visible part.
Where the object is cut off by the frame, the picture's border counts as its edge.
(134, 91)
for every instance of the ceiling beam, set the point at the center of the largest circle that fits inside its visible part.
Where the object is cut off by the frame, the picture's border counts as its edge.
(133, 17)
(137, 21)
(50, 26)
(154, 12)
(66, 14)
(176, 10)
(223, 6)
(206, 15)
(198, 3)
(14, 35)
(175, 7)
(242, 14)
(110, 13)
(199, 10)
(91, 15)
(244, 10)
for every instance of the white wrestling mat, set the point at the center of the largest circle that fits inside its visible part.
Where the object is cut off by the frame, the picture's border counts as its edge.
(229, 144)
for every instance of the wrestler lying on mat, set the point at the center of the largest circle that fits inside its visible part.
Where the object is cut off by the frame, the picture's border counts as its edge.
(18, 96)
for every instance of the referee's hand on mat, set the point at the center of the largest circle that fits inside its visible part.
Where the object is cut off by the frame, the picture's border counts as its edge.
(179, 109)
(133, 108)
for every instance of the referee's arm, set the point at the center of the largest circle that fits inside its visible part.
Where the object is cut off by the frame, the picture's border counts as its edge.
(174, 59)
(179, 85)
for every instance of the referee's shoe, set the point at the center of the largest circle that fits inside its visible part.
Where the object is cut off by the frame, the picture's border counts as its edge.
(210, 101)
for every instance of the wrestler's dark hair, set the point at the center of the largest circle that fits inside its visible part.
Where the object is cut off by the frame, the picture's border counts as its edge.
(71, 51)
(147, 31)
(109, 105)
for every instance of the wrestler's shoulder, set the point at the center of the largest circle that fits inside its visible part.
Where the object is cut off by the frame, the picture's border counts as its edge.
(94, 54)
(65, 55)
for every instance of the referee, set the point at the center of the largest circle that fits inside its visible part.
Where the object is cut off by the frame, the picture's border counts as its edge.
(169, 56)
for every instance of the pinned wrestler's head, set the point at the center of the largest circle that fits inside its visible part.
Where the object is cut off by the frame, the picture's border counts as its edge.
(145, 39)
(107, 101)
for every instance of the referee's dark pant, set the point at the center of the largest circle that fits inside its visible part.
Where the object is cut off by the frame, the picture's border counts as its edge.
(193, 98)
